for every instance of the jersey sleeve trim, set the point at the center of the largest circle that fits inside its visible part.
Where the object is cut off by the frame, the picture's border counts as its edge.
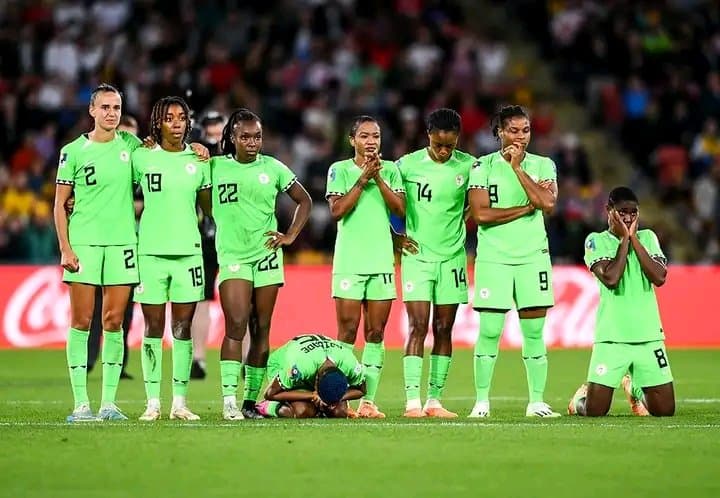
(290, 184)
(661, 260)
(597, 260)
(479, 187)
(205, 187)
(330, 194)
(65, 182)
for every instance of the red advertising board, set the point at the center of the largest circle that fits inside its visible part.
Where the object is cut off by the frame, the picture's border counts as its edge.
(34, 309)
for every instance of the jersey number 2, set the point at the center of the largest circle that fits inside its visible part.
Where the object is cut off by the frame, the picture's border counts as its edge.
(90, 175)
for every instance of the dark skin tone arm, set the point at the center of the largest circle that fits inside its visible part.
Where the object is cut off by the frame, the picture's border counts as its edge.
(355, 392)
(205, 201)
(394, 201)
(340, 205)
(655, 271)
(610, 272)
(302, 212)
(483, 214)
(542, 196)
(275, 392)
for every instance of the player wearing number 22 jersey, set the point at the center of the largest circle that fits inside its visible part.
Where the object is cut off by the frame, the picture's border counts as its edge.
(246, 184)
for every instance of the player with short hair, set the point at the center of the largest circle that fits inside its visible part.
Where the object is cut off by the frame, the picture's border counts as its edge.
(628, 264)
(434, 259)
(98, 244)
(170, 255)
(362, 192)
(508, 192)
(312, 375)
(246, 184)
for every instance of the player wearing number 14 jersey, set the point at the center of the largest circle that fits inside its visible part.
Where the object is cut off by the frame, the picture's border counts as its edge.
(246, 184)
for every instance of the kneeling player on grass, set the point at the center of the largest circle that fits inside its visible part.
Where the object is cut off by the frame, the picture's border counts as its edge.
(628, 264)
(312, 376)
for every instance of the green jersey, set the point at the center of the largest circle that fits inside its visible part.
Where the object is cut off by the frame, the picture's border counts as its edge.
(364, 244)
(101, 176)
(243, 201)
(629, 313)
(435, 202)
(170, 182)
(524, 239)
(301, 357)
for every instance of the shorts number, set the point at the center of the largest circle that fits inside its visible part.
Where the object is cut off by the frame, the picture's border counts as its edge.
(459, 274)
(387, 278)
(90, 175)
(227, 192)
(492, 190)
(129, 255)
(423, 191)
(660, 357)
(196, 276)
(154, 182)
(544, 284)
(269, 262)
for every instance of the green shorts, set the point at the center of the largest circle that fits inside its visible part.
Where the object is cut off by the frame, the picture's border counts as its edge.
(498, 286)
(105, 265)
(263, 272)
(438, 282)
(170, 279)
(375, 287)
(647, 363)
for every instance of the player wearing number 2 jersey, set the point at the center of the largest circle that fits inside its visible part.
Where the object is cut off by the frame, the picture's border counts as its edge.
(170, 257)
(245, 187)
(435, 180)
(509, 190)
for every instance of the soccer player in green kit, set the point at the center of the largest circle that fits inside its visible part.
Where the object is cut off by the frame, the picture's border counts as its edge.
(508, 192)
(170, 258)
(628, 264)
(310, 376)
(362, 192)
(246, 184)
(98, 244)
(434, 260)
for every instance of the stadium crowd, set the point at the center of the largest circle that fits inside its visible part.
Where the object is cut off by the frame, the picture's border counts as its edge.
(306, 73)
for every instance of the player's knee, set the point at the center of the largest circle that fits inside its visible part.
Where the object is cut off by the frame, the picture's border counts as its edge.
(303, 410)
(338, 411)
(442, 328)
(663, 410)
(235, 327)
(418, 327)
(595, 409)
(374, 334)
(113, 319)
(82, 322)
(181, 329)
(347, 328)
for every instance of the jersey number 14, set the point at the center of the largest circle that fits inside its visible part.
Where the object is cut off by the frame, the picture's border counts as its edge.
(423, 191)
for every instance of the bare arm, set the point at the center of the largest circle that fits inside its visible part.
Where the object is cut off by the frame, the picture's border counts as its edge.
(355, 392)
(275, 392)
(653, 269)
(302, 212)
(610, 272)
(542, 197)
(205, 201)
(340, 205)
(395, 201)
(69, 259)
(483, 214)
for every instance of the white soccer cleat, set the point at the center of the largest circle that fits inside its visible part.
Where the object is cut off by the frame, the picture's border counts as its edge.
(232, 412)
(540, 409)
(480, 410)
(182, 413)
(111, 412)
(82, 413)
(150, 414)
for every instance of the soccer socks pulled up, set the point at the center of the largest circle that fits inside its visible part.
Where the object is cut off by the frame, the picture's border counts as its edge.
(439, 368)
(112, 361)
(373, 358)
(253, 382)
(412, 373)
(182, 362)
(76, 351)
(534, 355)
(152, 366)
(230, 376)
(487, 347)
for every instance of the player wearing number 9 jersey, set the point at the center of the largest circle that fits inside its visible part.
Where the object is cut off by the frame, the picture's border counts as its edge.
(249, 247)
(435, 180)
(508, 192)
(170, 256)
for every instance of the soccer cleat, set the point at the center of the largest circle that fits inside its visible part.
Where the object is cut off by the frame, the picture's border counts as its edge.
(636, 405)
(351, 413)
(251, 413)
(232, 412)
(197, 370)
(150, 414)
(579, 394)
(111, 412)
(182, 413)
(414, 413)
(368, 409)
(262, 408)
(439, 412)
(82, 413)
(480, 410)
(540, 409)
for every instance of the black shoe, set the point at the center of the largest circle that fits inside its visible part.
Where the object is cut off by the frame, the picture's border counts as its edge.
(125, 375)
(197, 370)
(251, 413)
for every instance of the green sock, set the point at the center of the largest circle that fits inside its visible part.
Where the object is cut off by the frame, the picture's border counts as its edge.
(373, 358)
(230, 376)
(152, 366)
(272, 408)
(112, 361)
(182, 361)
(253, 382)
(534, 355)
(439, 367)
(76, 350)
(487, 348)
(412, 372)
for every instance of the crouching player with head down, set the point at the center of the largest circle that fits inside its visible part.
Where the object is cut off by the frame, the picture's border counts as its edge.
(312, 376)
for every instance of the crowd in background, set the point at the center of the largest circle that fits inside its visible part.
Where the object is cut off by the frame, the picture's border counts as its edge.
(306, 72)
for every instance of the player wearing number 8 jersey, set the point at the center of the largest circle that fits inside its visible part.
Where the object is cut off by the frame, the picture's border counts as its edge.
(509, 190)
(170, 256)
(434, 268)
(249, 247)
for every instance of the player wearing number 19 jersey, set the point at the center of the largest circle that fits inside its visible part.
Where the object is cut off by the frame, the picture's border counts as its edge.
(170, 255)
(246, 184)
(435, 180)
(509, 190)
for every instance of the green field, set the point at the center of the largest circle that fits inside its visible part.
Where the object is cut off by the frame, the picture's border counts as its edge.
(507, 455)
